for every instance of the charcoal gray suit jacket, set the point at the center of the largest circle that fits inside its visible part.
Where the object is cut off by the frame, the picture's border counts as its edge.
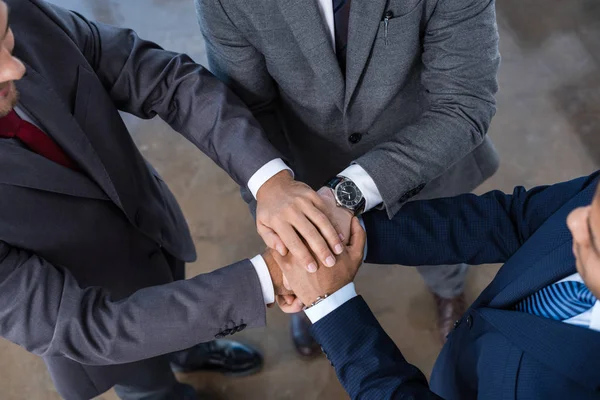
(81, 253)
(412, 108)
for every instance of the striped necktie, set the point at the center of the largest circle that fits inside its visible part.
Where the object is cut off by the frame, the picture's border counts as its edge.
(559, 301)
(341, 17)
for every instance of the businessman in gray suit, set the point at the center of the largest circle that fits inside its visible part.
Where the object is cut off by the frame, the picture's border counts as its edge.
(92, 242)
(386, 100)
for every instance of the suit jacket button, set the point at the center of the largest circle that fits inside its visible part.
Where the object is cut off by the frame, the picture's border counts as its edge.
(469, 321)
(456, 323)
(355, 137)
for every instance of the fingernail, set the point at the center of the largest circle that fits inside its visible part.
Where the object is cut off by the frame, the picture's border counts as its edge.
(330, 261)
(280, 250)
(339, 249)
(312, 267)
(341, 237)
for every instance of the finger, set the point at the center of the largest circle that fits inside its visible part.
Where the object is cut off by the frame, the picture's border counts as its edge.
(286, 283)
(358, 237)
(320, 202)
(289, 299)
(271, 239)
(281, 302)
(328, 229)
(294, 307)
(314, 239)
(296, 247)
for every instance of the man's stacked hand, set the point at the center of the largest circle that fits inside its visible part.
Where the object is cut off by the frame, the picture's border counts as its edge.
(305, 288)
(293, 218)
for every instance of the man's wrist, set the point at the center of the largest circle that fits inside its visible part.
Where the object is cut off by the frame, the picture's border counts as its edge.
(264, 277)
(356, 205)
(365, 183)
(331, 303)
(280, 178)
(265, 173)
(317, 295)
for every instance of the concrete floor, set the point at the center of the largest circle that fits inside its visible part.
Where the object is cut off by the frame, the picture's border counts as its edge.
(547, 129)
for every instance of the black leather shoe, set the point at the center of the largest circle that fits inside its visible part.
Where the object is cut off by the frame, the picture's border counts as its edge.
(303, 340)
(186, 392)
(225, 356)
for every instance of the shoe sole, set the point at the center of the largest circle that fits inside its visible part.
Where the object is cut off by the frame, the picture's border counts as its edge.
(247, 372)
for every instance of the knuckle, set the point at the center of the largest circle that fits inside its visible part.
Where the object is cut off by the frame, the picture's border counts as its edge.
(323, 252)
(295, 243)
(322, 219)
(317, 201)
(290, 212)
(303, 202)
(306, 259)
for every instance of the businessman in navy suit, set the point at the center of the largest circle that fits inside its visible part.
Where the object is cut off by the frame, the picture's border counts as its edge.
(533, 333)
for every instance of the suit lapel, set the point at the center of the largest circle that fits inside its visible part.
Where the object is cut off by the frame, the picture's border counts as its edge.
(21, 167)
(570, 350)
(312, 36)
(551, 268)
(545, 258)
(365, 17)
(40, 100)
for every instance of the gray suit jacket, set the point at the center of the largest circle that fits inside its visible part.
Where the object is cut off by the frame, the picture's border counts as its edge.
(81, 253)
(422, 100)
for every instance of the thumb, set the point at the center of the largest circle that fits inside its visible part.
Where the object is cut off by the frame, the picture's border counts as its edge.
(289, 299)
(358, 236)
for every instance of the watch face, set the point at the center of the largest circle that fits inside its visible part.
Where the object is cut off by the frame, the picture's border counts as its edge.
(348, 194)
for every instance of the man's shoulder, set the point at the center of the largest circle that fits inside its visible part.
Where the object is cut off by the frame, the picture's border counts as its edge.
(34, 8)
(34, 17)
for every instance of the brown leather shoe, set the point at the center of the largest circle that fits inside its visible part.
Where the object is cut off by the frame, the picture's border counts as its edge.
(449, 311)
(303, 340)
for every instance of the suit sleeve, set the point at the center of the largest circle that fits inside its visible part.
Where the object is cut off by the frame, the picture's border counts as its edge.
(366, 361)
(465, 229)
(238, 63)
(145, 80)
(45, 311)
(460, 62)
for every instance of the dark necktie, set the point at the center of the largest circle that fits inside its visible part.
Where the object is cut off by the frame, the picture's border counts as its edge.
(559, 301)
(12, 126)
(341, 17)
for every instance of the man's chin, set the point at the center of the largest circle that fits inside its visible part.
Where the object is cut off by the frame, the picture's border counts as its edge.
(9, 100)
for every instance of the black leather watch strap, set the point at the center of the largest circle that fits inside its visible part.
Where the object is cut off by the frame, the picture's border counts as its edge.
(333, 182)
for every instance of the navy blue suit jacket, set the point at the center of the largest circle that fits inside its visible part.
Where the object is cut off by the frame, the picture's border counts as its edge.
(494, 352)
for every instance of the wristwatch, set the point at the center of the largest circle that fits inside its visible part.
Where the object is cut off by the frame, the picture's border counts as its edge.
(347, 194)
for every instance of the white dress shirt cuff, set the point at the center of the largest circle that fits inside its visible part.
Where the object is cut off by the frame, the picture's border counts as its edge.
(266, 284)
(331, 303)
(265, 173)
(365, 183)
